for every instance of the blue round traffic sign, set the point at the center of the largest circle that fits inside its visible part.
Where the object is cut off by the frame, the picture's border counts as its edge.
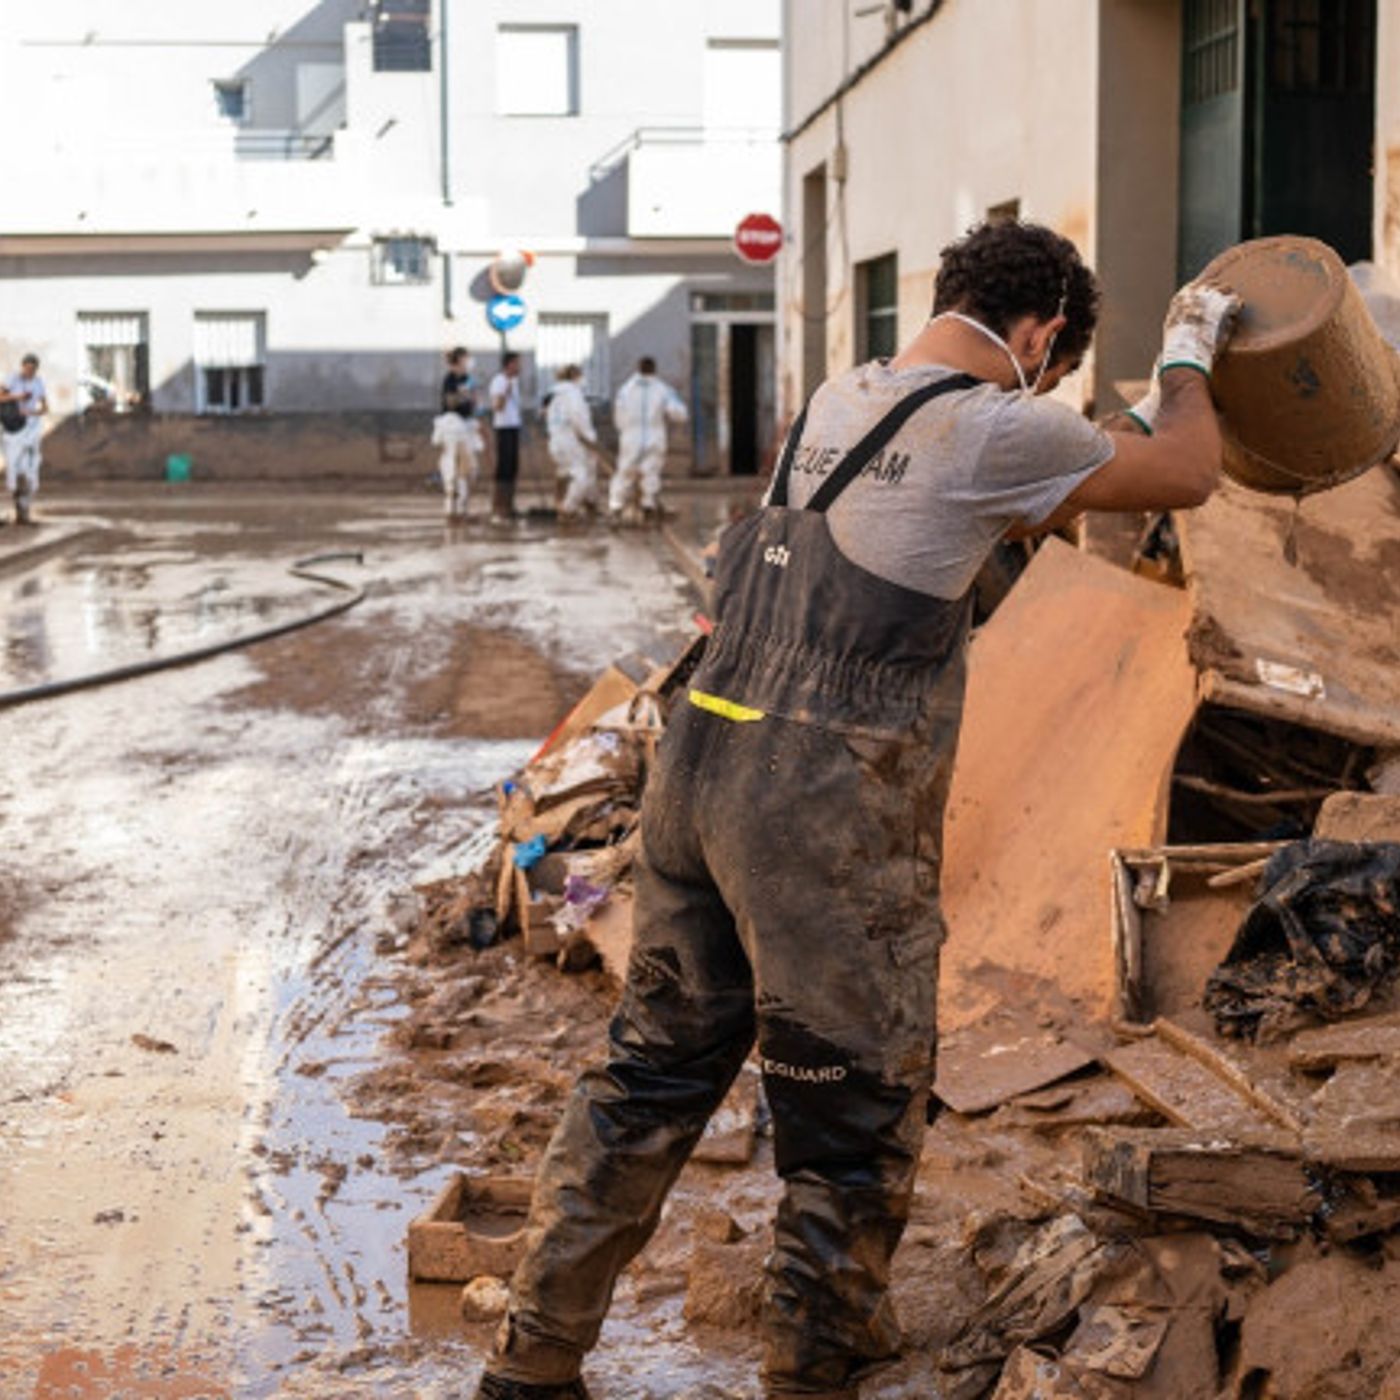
(505, 313)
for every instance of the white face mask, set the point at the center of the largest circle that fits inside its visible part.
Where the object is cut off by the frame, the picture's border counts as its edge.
(1034, 386)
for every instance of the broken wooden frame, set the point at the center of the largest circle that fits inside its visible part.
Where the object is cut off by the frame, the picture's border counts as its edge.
(1140, 885)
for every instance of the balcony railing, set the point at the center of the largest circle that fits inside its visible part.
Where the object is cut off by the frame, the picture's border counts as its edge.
(678, 136)
(283, 145)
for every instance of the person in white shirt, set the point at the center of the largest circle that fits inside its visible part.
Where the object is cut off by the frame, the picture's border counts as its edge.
(642, 409)
(455, 430)
(23, 403)
(572, 442)
(505, 419)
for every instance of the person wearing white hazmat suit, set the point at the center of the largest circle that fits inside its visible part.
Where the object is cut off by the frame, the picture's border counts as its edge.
(456, 432)
(644, 406)
(572, 442)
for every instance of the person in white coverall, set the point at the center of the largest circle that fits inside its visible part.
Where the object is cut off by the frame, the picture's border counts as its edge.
(642, 409)
(572, 442)
(455, 430)
(26, 401)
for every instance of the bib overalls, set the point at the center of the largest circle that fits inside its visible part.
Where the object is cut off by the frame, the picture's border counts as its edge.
(787, 892)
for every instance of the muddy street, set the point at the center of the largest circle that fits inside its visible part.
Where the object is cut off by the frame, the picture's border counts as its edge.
(206, 1179)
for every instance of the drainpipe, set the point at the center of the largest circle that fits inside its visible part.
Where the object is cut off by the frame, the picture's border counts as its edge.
(444, 144)
(445, 151)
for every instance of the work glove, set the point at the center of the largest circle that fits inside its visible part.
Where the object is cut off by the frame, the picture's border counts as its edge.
(1199, 321)
(1144, 412)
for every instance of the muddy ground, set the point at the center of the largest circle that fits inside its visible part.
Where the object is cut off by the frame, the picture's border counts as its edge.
(230, 1075)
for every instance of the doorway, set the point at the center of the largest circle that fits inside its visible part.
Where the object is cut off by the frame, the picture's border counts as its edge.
(1278, 105)
(733, 382)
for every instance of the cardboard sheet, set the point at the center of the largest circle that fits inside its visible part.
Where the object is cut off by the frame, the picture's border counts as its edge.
(1080, 690)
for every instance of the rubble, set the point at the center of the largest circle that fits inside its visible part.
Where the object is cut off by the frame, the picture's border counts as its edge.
(1141, 1187)
(555, 868)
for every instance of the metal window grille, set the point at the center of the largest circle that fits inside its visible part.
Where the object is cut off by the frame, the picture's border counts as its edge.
(402, 261)
(568, 339)
(1211, 49)
(877, 286)
(402, 43)
(230, 356)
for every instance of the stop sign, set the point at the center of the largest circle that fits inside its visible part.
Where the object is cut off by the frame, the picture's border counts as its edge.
(758, 238)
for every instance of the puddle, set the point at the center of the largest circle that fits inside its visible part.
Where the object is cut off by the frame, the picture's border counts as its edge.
(190, 866)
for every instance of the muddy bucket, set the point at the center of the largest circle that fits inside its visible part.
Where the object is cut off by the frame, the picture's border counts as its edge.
(1308, 390)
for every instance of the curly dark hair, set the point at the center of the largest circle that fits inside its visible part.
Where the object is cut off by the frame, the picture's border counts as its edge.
(999, 272)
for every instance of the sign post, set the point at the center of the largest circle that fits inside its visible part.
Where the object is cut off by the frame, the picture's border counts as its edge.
(759, 238)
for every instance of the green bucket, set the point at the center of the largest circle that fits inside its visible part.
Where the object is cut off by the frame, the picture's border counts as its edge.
(177, 466)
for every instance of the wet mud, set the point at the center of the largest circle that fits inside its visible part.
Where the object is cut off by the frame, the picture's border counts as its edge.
(200, 926)
(236, 1060)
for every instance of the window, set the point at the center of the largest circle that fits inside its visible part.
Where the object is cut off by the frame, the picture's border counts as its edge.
(402, 262)
(580, 340)
(230, 357)
(743, 87)
(114, 360)
(232, 100)
(877, 307)
(1211, 49)
(537, 70)
(732, 301)
(401, 40)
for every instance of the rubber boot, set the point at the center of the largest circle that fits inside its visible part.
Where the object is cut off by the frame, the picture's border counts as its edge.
(497, 1388)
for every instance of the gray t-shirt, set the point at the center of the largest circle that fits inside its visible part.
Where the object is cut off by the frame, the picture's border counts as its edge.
(927, 511)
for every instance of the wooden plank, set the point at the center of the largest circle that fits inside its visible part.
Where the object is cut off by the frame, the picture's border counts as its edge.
(1129, 1004)
(1371, 1038)
(1258, 1186)
(1184, 1091)
(1005, 1055)
(1359, 816)
(1357, 1122)
(1078, 1103)
(1218, 1060)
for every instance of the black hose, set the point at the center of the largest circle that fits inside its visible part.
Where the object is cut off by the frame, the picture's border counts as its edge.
(300, 569)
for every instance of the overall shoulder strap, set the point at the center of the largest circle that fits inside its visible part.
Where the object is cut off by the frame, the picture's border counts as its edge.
(779, 494)
(859, 457)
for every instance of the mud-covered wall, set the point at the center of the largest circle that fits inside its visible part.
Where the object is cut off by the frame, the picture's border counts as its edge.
(1387, 164)
(380, 447)
(986, 103)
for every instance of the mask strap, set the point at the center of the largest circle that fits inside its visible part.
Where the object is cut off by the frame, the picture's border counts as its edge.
(1050, 349)
(992, 336)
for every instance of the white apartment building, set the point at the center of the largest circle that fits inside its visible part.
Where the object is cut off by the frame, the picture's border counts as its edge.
(1153, 133)
(253, 230)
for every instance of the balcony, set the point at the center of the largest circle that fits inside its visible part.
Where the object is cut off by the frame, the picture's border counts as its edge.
(683, 182)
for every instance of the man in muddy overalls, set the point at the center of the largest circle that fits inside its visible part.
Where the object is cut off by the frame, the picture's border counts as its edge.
(787, 891)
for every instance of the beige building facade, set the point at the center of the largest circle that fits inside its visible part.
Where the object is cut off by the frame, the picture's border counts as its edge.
(1153, 133)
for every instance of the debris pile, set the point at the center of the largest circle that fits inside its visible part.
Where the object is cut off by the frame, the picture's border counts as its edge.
(555, 867)
(1249, 1133)
(1197, 1109)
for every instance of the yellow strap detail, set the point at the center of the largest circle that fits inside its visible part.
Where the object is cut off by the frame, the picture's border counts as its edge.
(726, 709)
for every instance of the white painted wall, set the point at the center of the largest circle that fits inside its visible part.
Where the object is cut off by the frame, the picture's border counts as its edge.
(990, 100)
(124, 140)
